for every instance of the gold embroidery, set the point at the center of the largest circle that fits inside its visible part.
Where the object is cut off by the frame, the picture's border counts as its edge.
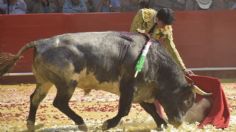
(165, 33)
(143, 20)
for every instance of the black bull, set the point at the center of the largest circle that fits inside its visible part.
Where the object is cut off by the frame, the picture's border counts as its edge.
(106, 61)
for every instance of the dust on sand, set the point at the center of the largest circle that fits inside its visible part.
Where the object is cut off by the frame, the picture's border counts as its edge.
(95, 108)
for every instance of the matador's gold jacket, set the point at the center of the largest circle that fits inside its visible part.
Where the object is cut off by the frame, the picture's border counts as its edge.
(144, 20)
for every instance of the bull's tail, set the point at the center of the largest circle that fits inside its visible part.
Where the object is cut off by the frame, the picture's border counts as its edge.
(7, 60)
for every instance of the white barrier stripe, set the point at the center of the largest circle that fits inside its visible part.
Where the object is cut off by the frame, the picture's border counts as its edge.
(193, 69)
(213, 69)
(19, 74)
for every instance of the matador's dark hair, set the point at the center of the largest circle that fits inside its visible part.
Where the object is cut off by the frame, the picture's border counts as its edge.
(166, 15)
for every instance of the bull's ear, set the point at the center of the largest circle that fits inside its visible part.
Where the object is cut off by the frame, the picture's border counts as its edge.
(197, 90)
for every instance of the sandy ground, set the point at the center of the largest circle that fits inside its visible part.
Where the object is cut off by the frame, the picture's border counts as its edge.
(94, 108)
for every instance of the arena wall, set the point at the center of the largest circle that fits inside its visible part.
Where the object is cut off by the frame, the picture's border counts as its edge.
(205, 39)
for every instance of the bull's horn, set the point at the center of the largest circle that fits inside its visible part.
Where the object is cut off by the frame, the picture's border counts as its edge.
(197, 90)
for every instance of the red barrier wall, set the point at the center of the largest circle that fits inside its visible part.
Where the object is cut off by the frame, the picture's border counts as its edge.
(206, 39)
(203, 38)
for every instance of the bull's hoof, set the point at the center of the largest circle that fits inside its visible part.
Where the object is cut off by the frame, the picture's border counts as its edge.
(109, 124)
(159, 129)
(30, 126)
(105, 126)
(83, 127)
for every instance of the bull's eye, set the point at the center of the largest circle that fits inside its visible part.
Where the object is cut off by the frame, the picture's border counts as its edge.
(187, 103)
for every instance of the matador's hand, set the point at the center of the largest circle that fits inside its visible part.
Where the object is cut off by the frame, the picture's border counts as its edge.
(188, 72)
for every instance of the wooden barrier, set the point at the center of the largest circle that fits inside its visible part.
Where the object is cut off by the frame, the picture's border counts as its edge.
(203, 38)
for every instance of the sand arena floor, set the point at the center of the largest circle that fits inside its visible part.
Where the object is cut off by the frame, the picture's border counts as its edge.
(94, 108)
